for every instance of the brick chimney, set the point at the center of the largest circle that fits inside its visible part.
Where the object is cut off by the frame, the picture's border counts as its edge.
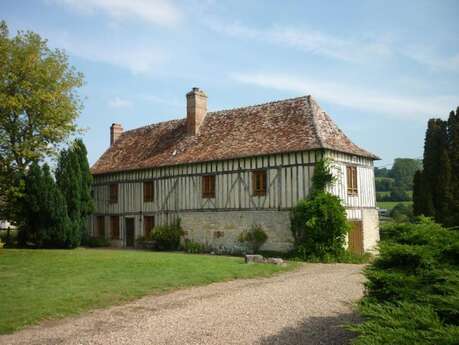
(196, 110)
(115, 131)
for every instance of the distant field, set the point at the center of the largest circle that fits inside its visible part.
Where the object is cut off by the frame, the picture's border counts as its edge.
(390, 204)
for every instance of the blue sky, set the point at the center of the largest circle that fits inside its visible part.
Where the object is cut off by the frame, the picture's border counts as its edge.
(379, 68)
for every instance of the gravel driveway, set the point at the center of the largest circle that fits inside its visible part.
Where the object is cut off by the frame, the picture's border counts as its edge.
(307, 306)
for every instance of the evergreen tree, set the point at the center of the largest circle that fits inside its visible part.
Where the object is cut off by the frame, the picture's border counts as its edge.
(68, 178)
(418, 204)
(44, 213)
(453, 143)
(87, 204)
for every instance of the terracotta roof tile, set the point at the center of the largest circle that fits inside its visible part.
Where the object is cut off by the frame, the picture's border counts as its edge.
(289, 125)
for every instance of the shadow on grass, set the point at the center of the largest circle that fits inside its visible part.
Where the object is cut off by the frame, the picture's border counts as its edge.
(316, 330)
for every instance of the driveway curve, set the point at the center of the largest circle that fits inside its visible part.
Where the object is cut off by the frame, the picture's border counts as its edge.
(306, 306)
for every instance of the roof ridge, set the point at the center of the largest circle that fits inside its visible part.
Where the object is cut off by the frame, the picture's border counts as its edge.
(153, 124)
(259, 104)
(220, 111)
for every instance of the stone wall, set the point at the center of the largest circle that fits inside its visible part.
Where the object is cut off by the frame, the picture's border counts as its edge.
(222, 228)
(370, 224)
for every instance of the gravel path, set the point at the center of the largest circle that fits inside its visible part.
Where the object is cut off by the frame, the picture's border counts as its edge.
(307, 306)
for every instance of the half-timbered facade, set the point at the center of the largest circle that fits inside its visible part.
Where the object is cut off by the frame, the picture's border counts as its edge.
(220, 172)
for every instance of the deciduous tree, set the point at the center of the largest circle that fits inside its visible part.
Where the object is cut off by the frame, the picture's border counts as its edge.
(38, 107)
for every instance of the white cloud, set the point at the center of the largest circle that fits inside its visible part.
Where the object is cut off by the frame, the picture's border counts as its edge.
(355, 97)
(314, 42)
(161, 12)
(356, 49)
(137, 57)
(428, 57)
(118, 103)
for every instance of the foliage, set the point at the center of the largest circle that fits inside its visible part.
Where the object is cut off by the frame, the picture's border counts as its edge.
(74, 180)
(38, 108)
(323, 176)
(167, 237)
(412, 288)
(402, 213)
(45, 222)
(192, 247)
(253, 238)
(96, 242)
(319, 226)
(9, 238)
(396, 194)
(50, 284)
(403, 323)
(382, 172)
(384, 183)
(436, 192)
(402, 172)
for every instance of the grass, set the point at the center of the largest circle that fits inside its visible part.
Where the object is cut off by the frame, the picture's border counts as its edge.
(389, 205)
(49, 284)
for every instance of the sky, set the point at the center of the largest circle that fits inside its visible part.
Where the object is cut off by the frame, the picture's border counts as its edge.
(380, 69)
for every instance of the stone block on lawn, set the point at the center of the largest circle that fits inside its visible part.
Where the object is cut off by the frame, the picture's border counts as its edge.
(275, 261)
(249, 259)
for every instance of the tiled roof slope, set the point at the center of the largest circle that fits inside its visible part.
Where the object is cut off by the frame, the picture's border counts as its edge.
(289, 125)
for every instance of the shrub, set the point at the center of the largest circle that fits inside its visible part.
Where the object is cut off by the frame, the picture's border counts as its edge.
(403, 323)
(167, 237)
(192, 247)
(319, 227)
(412, 288)
(402, 213)
(253, 238)
(9, 237)
(95, 242)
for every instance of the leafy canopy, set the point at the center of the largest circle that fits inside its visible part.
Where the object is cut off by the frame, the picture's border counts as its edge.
(38, 103)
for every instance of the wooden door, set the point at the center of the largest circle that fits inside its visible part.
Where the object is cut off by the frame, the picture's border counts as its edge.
(355, 243)
(130, 232)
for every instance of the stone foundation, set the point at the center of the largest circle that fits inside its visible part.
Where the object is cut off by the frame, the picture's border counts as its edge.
(222, 228)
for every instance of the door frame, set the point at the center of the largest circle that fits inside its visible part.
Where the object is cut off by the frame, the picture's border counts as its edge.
(126, 219)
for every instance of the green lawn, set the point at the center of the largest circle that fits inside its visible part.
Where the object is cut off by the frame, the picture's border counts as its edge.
(49, 284)
(390, 204)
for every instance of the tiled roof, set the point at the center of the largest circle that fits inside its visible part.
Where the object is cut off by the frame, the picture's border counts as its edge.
(284, 126)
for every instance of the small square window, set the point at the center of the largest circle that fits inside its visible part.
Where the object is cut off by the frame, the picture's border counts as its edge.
(208, 186)
(113, 193)
(259, 182)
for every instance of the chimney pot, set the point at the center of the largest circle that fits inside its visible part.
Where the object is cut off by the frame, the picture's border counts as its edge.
(196, 110)
(115, 131)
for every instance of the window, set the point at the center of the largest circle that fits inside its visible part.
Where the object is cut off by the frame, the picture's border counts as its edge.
(100, 226)
(113, 193)
(148, 224)
(259, 182)
(115, 227)
(351, 180)
(148, 191)
(208, 186)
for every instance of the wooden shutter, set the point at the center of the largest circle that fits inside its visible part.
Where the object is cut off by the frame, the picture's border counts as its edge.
(259, 182)
(351, 172)
(208, 186)
(148, 191)
(115, 227)
(355, 239)
(113, 193)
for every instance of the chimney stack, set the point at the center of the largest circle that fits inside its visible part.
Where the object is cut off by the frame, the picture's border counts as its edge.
(196, 110)
(115, 131)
